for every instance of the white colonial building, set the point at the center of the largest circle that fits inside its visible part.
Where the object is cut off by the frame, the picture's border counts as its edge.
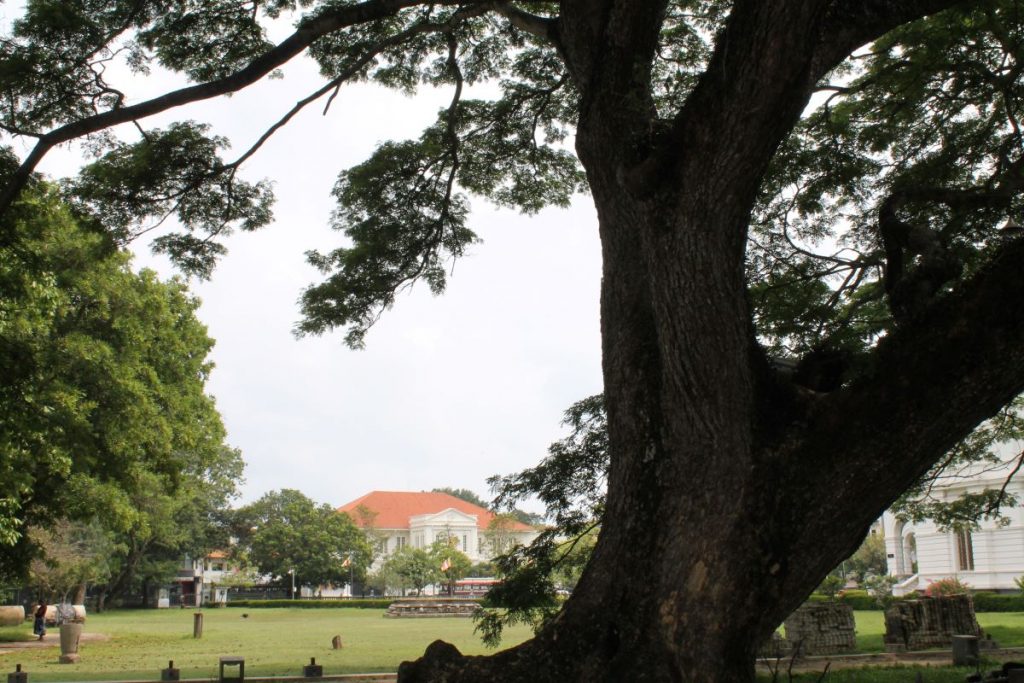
(200, 581)
(403, 518)
(989, 558)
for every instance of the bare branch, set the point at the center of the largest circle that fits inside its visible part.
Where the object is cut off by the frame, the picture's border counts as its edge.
(352, 70)
(302, 38)
(542, 27)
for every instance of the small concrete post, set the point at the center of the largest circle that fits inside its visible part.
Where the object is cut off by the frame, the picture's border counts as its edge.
(170, 673)
(313, 670)
(197, 625)
(17, 676)
(965, 651)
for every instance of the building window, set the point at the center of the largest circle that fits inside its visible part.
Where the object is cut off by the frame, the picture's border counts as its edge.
(964, 550)
(400, 542)
(465, 543)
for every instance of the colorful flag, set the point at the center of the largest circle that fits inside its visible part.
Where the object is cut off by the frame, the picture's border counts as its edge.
(446, 565)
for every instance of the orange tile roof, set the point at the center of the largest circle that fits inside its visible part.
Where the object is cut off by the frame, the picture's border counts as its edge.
(394, 508)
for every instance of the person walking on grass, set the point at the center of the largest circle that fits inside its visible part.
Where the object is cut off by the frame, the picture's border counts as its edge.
(39, 627)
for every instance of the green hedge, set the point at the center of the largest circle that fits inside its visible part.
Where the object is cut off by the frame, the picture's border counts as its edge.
(860, 600)
(984, 601)
(998, 602)
(855, 598)
(360, 603)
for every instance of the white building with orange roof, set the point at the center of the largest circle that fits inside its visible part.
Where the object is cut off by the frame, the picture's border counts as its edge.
(201, 581)
(398, 519)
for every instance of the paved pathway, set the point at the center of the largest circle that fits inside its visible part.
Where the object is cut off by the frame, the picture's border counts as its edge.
(51, 639)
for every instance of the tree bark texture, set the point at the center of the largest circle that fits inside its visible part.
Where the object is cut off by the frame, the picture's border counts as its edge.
(730, 493)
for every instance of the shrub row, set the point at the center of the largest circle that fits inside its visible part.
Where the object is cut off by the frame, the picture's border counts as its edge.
(998, 602)
(361, 603)
(983, 601)
(855, 598)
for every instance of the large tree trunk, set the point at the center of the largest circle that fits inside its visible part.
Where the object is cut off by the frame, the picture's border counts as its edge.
(731, 493)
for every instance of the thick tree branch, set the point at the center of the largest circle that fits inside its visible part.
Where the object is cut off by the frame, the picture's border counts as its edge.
(308, 32)
(542, 27)
(766, 63)
(352, 70)
(609, 46)
(850, 25)
(934, 380)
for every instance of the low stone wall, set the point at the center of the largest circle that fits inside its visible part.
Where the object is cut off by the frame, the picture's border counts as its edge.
(435, 607)
(929, 622)
(821, 628)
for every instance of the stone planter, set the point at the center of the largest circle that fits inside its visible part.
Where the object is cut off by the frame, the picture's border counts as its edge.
(69, 637)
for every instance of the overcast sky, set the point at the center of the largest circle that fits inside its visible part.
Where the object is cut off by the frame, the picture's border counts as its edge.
(450, 389)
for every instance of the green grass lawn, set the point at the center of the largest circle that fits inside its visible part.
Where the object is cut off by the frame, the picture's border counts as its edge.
(274, 642)
(898, 674)
(1006, 627)
(277, 642)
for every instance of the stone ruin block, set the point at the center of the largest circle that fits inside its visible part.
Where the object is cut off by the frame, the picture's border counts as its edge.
(822, 628)
(775, 647)
(432, 607)
(929, 622)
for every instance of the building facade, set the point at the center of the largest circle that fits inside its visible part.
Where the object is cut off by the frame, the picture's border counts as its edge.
(200, 581)
(988, 558)
(397, 519)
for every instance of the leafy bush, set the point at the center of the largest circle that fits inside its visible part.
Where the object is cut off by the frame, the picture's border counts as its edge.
(984, 601)
(859, 600)
(945, 587)
(997, 602)
(831, 586)
(361, 603)
(879, 587)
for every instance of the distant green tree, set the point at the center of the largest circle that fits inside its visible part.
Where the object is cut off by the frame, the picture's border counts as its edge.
(830, 586)
(452, 564)
(500, 533)
(570, 482)
(285, 531)
(102, 379)
(72, 555)
(518, 514)
(170, 523)
(869, 560)
(414, 568)
(463, 494)
(574, 553)
(484, 569)
(366, 519)
(864, 236)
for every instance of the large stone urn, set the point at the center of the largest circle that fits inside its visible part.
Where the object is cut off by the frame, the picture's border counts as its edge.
(70, 633)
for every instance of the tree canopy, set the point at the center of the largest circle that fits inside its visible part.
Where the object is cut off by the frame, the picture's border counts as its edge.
(804, 308)
(102, 403)
(285, 532)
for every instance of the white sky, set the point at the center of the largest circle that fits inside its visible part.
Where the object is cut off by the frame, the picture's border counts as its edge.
(450, 389)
